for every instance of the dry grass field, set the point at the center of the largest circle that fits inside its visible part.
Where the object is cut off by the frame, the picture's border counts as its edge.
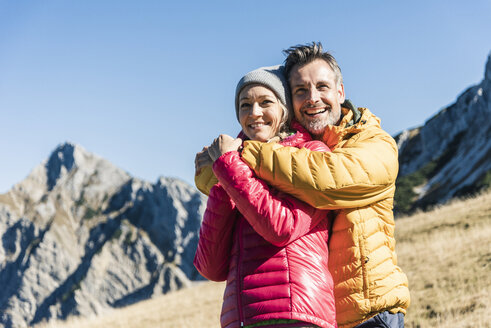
(446, 254)
(198, 306)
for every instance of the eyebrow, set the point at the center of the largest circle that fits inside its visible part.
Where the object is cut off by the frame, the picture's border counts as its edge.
(302, 84)
(297, 85)
(261, 97)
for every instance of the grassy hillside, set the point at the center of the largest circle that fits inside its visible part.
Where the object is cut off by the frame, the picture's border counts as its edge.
(446, 254)
(198, 306)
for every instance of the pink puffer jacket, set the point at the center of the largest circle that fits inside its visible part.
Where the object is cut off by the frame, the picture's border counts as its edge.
(271, 248)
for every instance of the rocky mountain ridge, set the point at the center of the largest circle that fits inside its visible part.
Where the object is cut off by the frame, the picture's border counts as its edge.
(450, 155)
(80, 235)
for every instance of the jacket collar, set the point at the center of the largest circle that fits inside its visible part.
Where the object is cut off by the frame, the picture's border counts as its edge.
(300, 135)
(353, 121)
(348, 107)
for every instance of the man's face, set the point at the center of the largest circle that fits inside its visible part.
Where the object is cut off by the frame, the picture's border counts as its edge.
(316, 96)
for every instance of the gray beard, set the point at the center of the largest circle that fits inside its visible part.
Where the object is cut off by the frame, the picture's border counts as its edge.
(316, 127)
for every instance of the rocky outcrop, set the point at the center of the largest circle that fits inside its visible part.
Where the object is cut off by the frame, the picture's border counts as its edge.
(80, 235)
(450, 155)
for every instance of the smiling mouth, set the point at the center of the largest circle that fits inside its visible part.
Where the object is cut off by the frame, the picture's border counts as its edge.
(314, 111)
(257, 125)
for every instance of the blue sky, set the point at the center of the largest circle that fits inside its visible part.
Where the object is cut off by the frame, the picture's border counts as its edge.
(146, 84)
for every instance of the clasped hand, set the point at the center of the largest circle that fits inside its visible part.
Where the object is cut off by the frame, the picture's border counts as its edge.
(224, 143)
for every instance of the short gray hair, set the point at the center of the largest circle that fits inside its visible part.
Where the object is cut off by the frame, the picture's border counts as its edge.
(306, 53)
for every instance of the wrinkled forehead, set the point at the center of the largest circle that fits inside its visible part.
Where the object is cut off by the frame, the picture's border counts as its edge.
(312, 73)
(255, 90)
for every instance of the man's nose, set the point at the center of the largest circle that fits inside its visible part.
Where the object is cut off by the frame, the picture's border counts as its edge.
(313, 95)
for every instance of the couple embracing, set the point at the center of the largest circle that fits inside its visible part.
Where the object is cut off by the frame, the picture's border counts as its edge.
(299, 216)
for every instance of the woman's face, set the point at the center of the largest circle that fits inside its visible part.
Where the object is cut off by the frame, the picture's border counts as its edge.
(260, 112)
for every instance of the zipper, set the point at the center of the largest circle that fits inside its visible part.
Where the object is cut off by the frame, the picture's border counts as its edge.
(239, 280)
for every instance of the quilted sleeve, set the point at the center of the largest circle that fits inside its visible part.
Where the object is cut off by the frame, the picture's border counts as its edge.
(277, 217)
(357, 174)
(215, 236)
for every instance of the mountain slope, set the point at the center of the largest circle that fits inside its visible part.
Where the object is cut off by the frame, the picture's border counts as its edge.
(80, 235)
(449, 282)
(450, 155)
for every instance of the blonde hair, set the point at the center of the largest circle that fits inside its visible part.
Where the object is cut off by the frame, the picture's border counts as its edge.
(284, 128)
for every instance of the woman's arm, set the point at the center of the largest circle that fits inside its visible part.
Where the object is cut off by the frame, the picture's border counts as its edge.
(277, 217)
(216, 235)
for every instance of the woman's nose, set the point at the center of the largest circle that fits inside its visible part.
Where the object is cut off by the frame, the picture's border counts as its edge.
(256, 110)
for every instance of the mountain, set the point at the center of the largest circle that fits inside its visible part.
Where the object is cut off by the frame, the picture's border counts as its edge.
(449, 282)
(80, 235)
(450, 155)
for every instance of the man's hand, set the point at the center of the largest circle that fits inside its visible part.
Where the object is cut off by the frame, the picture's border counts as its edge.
(201, 160)
(223, 144)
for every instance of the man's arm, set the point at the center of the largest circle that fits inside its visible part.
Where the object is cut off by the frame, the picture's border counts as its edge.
(278, 218)
(360, 172)
(205, 179)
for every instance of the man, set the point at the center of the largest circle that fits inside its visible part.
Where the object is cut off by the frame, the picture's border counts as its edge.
(357, 179)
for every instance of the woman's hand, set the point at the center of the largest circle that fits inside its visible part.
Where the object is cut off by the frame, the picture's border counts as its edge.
(201, 160)
(223, 144)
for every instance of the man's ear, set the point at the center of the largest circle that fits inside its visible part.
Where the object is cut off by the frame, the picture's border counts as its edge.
(341, 96)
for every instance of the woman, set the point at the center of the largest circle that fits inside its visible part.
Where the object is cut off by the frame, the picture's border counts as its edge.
(269, 247)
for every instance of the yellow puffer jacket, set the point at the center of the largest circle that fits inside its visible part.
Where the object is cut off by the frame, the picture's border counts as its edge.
(205, 179)
(358, 180)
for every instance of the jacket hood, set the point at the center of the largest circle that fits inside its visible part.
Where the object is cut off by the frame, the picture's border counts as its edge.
(354, 120)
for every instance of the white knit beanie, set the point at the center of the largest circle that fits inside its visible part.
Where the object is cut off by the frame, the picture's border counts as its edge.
(271, 77)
